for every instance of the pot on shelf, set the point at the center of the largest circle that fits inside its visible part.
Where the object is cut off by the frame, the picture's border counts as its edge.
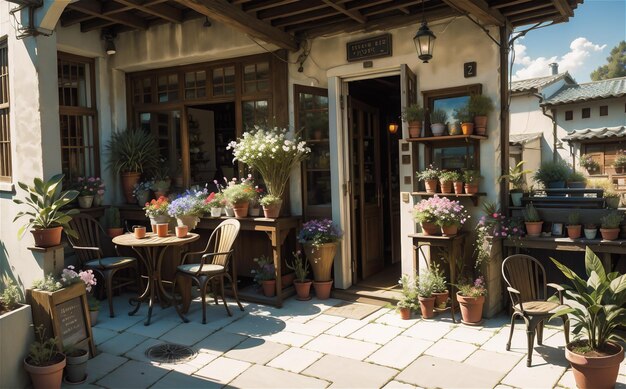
(241, 209)
(98, 199)
(85, 201)
(458, 187)
(47, 237)
(446, 186)
(471, 188)
(438, 129)
(415, 129)
(454, 128)
(595, 371)
(430, 228)
(427, 306)
(431, 186)
(188, 220)
(449, 230)
(471, 308)
(516, 198)
(609, 233)
(129, 180)
(480, 124)
(269, 288)
(467, 128)
(574, 231)
(229, 211)
(590, 233)
(272, 211)
(533, 229)
(216, 212)
(555, 185)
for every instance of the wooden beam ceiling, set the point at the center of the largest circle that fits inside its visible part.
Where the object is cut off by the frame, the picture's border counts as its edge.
(563, 7)
(234, 16)
(480, 9)
(162, 11)
(94, 8)
(356, 15)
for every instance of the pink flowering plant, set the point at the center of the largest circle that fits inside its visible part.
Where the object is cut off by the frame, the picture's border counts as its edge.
(494, 224)
(89, 186)
(441, 211)
(474, 288)
(69, 276)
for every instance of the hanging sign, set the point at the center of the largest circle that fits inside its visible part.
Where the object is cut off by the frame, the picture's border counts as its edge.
(375, 47)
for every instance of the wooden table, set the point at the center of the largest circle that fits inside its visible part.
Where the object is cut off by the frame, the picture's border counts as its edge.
(151, 250)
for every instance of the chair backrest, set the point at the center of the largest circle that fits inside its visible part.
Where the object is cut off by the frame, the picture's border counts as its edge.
(222, 240)
(527, 275)
(89, 235)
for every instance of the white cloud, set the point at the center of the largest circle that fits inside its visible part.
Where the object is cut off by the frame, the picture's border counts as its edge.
(580, 50)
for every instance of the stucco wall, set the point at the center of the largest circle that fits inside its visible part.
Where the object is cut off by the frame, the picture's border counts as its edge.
(526, 118)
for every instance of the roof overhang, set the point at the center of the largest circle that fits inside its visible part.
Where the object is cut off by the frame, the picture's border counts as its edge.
(593, 134)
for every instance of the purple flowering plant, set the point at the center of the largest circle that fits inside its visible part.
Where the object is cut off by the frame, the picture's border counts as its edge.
(89, 186)
(70, 276)
(190, 203)
(440, 210)
(476, 288)
(318, 232)
(266, 269)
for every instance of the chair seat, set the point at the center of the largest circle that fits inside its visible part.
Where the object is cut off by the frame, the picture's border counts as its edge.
(192, 268)
(110, 262)
(540, 307)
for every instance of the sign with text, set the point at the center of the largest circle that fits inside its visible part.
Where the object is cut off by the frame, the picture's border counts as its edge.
(375, 47)
(72, 324)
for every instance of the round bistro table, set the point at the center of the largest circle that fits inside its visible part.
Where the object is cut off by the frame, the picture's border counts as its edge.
(150, 251)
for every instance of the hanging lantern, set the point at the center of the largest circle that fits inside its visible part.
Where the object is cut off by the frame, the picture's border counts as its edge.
(424, 42)
(393, 127)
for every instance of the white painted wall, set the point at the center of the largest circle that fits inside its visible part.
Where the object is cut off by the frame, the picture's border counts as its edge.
(526, 118)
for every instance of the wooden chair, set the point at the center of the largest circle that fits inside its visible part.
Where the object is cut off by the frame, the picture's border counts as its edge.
(90, 250)
(213, 266)
(527, 287)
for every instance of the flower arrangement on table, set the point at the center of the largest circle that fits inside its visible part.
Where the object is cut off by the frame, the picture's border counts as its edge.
(157, 208)
(188, 207)
(440, 212)
(494, 224)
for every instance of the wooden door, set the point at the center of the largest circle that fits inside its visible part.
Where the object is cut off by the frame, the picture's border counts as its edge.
(367, 196)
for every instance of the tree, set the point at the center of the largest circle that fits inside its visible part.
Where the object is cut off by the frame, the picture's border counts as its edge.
(616, 66)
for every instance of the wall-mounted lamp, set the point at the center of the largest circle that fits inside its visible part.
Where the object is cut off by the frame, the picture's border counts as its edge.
(109, 45)
(424, 40)
(207, 22)
(393, 127)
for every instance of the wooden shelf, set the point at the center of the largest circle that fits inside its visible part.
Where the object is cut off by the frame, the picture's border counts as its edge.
(474, 197)
(430, 139)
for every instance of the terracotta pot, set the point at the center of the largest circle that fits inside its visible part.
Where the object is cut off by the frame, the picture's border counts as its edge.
(241, 209)
(272, 211)
(405, 313)
(427, 306)
(480, 125)
(129, 180)
(430, 228)
(286, 280)
(595, 372)
(574, 232)
(46, 377)
(47, 237)
(467, 128)
(162, 228)
(471, 188)
(415, 129)
(76, 367)
(458, 187)
(269, 288)
(438, 129)
(139, 232)
(446, 186)
(322, 289)
(182, 231)
(449, 230)
(116, 231)
(187, 220)
(471, 308)
(85, 201)
(609, 233)
(431, 186)
(303, 290)
(533, 229)
(590, 233)
(93, 317)
(441, 299)
(321, 258)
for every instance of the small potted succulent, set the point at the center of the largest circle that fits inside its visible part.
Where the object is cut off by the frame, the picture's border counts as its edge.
(406, 304)
(300, 266)
(587, 162)
(425, 288)
(480, 106)
(516, 180)
(265, 275)
(471, 298)
(609, 229)
(467, 120)
(553, 175)
(574, 228)
(414, 116)
(430, 176)
(471, 179)
(438, 119)
(446, 179)
(532, 220)
(590, 230)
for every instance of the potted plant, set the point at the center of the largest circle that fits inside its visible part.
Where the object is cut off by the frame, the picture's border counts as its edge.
(612, 199)
(98, 199)
(265, 275)
(438, 118)
(87, 190)
(161, 180)
(590, 230)
(271, 206)
(595, 354)
(466, 119)
(46, 218)
(141, 191)
(301, 267)
(424, 289)
(609, 229)
(516, 180)
(157, 211)
(239, 196)
(620, 163)
(187, 208)
(430, 176)
(44, 362)
(414, 116)
(576, 180)
(573, 225)
(272, 153)
(471, 298)
(471, 179)
(552, 174)
(446, 179)
(532, 220)
(76, 364)
(424, 214)
(406, 304)
(112, 222)
(454, 127)
(480, 106)
(449, 215)
(254, 209)
(440, 288)
(319, 238)
(215, 204)
(587, 162)
(131, 152)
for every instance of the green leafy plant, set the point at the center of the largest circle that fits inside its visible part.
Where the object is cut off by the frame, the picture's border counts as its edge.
(576, 177)
(620, 161)
(515, 176)
(42, 351)
(463, 114)
(430, 173)
(612, 220)
(11, 296)
(471, 176)
(600, 304)
(480, 105)
(531, 214)
(409, 293)
(438, 279)
(573, 219)
(239, 193)
(269, 200)
(474, 288)
(425, 285)
(48, 284)
(551, 172)
(413, 113)
(132, 151)
(300, 266)
(438, 116)
(112, 218)
(449, 176)
(46, 199)
(604, 184)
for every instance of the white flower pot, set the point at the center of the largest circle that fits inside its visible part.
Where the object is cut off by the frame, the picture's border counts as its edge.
(590, 233)
(189, 221)
(216, 212)
(229, 211)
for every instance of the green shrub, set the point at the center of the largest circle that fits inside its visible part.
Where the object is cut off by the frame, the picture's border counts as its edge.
(612, 220)
(480, 105)
(551, 172)
(413, 113)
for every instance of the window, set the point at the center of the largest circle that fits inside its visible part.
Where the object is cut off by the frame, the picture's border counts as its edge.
(604, 110)
(167, 88)
(5, 133)
(255, 112)
(142, 90)
(586, 113)
(569, 115)
(604, 154)
(77, 116)
(195, 84)
(256, 77)
(224, 81)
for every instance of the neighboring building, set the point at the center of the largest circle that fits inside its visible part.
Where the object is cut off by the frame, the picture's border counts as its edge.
(187, 79)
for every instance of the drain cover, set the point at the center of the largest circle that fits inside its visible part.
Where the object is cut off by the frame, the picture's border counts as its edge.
(170, 353)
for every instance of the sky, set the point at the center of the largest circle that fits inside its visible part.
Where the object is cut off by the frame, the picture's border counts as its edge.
(578, 46)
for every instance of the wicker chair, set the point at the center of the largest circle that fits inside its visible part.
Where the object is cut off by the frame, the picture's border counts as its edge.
(213, 266)
(90, 251)
(527, 287)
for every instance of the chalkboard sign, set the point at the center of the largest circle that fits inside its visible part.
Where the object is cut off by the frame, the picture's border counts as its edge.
(72, 326)
(375, 47)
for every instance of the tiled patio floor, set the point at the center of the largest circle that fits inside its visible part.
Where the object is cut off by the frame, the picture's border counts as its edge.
(300, 346)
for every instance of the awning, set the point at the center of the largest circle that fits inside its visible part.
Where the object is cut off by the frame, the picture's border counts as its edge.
(522, 139)
(596, 133)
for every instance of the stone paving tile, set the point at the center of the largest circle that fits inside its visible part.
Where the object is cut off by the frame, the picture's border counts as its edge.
(497, 343)
(223, 370)
(313, 327)
(289, 338)
(469, 335)
(451, 349)
(101, 335)
(567, 380)
(349, 373)
(133, 374)
(256, 325)
(256, 350)
(219, 342)
(216, 316)
(498, 362)
(393, 319)
(191, 366)
(267, 377)
(84, 385)
(346, 327)
(428, 330)
(495, 323)
(432, 372)
(295, 359)
(399, 352)
(330, 318)
(376, 314)
(187, 334)
(138, 353)
(102, 364)
(121, 343)
(541, 374)
(175, 379)
(376, 333)
(155, 329)
(120, 322)
(398, 385)
(349, 348)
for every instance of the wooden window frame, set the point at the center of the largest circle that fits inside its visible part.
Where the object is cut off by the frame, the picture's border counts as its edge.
(603, 159)
(6, 163)
(604, 110)
(569, 115)
(585, 111)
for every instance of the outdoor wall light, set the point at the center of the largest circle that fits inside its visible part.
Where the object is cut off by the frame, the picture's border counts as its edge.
(109, 45)
(393, 127)
(424, 42)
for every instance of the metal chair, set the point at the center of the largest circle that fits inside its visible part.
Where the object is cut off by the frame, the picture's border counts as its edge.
(527, 287)
(213, 266)
(91, 253)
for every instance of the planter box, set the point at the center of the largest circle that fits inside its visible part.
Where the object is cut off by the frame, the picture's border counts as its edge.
(16, 335)
(492, 271)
